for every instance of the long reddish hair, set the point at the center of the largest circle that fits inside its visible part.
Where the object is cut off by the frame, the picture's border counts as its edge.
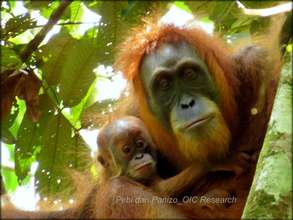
(212, 51)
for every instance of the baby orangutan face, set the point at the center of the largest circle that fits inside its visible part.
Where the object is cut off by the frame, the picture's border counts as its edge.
(126, 149)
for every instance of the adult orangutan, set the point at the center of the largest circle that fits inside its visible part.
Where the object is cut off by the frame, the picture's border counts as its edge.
(201, 101)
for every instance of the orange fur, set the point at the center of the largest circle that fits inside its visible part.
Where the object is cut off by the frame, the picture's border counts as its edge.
(150, 36)
(164, 141)
(213, 146)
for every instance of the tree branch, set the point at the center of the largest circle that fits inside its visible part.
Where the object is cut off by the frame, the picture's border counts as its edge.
(66, 23)
(34, 43)
(282, 8)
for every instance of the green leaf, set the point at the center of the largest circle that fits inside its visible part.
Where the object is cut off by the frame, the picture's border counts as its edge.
(221, 10)
(11, 4)
(135, 10)
(94, 5)
(77, 72)
(90, 115)
(29, 138)
(10, 179)
(76, 14)
(52, 159)
(240, 25)
(61, 150)
(289, 48)
(47, 11)
(37, 5)
(6, 135)
(54, 54)
(76, 11)
(21, 108)
(18, 25)
(200, 7)
(110, 29)
(115, 21)
(74, 115)
(80, 154)
(182, 6)
(9, 59)
(69, 65)
(243, 21)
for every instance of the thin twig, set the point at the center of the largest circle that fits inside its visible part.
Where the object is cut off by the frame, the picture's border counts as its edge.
(34, 43)
(67, 23)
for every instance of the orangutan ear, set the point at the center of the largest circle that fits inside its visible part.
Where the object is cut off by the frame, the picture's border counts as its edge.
(102, 161)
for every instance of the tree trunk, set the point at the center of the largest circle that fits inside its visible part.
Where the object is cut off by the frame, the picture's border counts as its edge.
(270, 195)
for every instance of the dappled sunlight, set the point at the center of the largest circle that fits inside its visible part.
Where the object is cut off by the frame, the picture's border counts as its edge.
(176, 16)
(24, 197)
(107, 81)
(89, 20)
(179, 17)
(90, 137)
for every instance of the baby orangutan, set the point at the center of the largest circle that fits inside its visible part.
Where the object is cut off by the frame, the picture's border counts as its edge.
(126, 149)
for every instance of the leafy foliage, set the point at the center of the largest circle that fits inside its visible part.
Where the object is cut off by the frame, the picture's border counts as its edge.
(68, 61)
(48, 98)
(18, 25)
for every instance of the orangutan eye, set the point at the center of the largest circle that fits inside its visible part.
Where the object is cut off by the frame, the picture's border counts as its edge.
(126, 149)
(164, 84)
(189, 73)
(140, 143)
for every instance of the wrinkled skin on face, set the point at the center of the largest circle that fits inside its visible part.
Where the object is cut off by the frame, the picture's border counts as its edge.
(126, 149)
(183, 97)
